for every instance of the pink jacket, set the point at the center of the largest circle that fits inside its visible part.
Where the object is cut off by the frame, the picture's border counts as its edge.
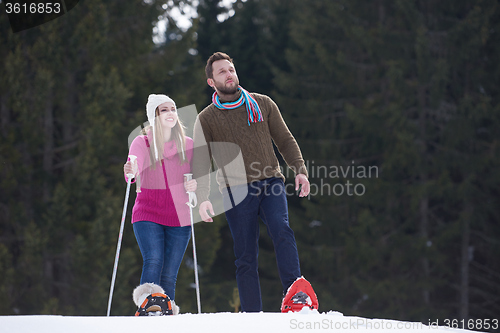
(162, 198)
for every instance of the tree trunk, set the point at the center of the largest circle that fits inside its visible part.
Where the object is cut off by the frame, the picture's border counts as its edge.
(464, 263)
(424, 221)
(424, 200)
(4, 114)
(48, 149)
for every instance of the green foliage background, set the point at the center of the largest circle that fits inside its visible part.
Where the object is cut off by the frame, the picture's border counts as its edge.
(409, 88)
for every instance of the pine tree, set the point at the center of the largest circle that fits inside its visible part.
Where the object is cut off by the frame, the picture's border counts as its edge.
(387, 84)
(210, 35)
(72, 90)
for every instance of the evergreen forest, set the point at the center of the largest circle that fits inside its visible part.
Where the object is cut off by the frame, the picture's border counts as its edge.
(395, 105)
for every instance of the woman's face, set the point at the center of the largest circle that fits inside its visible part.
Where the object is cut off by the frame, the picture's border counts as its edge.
(167, 113)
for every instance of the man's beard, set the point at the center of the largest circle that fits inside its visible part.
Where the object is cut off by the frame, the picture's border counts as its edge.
(221, 87)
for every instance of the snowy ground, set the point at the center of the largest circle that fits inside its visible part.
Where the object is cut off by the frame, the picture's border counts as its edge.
(215, 322)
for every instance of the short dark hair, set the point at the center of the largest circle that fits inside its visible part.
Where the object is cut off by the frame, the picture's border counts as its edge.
(214, 57)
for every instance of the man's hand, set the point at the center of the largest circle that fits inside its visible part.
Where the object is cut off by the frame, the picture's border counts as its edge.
(204, 207)
(301, 179)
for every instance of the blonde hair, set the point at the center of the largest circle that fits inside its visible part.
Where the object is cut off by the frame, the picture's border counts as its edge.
(178, 135)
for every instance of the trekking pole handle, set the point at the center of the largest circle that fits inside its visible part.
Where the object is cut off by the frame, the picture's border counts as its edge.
(193, 201)
(133, 160)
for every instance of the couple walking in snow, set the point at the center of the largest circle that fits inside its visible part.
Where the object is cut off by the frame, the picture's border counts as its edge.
(255, 189)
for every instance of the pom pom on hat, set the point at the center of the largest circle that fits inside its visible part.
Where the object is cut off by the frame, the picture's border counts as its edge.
(153, 101)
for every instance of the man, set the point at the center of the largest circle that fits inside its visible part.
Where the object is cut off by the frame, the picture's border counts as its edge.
(250, 122)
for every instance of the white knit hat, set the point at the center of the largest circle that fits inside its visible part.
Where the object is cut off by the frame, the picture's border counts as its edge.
(153, 102)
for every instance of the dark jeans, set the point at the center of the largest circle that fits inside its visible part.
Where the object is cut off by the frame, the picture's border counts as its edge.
(162, 250)
(266, 199)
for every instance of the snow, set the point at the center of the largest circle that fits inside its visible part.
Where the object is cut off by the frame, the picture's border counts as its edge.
(223, 322)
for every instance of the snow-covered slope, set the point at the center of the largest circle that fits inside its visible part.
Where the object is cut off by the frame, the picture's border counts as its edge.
(215, 322)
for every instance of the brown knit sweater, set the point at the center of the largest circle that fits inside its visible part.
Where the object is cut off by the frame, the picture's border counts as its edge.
(223, 134)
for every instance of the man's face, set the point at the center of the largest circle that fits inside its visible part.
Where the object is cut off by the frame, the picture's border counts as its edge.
(225, 80)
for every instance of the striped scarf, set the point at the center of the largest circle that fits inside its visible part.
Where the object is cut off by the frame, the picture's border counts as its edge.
(253, 110)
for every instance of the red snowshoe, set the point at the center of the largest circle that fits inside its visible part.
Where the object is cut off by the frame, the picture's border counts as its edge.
(155, 305)
(300, 295)
(152, 301)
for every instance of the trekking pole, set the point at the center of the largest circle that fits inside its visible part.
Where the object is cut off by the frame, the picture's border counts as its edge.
(192, 203)
(120, 235)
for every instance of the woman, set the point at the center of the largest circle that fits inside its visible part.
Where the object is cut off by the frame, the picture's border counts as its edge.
(160, 217)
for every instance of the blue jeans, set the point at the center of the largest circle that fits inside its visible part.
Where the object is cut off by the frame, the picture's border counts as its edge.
(162, 250)
(266, 199)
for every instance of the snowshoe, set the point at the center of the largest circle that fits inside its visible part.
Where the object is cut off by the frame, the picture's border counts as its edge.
(155, 305)
(152, 301)
(300, 295)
